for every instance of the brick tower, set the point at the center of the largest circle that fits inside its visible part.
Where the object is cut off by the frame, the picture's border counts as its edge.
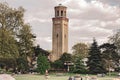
(60, 32)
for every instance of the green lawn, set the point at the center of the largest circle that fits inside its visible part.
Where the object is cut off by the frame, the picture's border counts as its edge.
(51, 77)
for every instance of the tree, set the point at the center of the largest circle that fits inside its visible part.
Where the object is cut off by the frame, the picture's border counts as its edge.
(10, 22)
(38, 51)
(11, 19)
(22, 65)
(115, 39)
(16, 38)
(59, 64)
(8, 63)
(109, 55)
(25, 41)
(42, 64)
(80, 49)
(66, 57)
(79, 66)
(94, 63)
(8, 47)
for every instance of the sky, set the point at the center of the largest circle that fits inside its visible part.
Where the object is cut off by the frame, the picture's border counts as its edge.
(87, 19)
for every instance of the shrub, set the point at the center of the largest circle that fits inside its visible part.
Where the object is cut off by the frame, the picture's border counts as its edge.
(22, 65)
(42, 64)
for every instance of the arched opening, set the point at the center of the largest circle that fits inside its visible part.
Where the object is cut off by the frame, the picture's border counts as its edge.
(57, 35)
(61, 13)
(57, 13)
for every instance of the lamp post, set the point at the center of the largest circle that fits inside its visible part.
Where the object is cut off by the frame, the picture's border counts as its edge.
(68, 64)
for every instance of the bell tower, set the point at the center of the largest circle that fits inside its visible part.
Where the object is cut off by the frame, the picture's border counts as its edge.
(59, 32)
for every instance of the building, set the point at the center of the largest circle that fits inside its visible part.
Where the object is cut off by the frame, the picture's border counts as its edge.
(59, 33)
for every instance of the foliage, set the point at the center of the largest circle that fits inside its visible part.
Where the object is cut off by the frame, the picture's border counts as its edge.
(94, 63)
(10, 18)
(58, 64)
(80, 49)
(25, 41)
(79, 66)
(22, 64)
(109, 55)
(115, 39)
(8, 47)
(7, 63)
(40, 51)
(66, 57)
(42, 64)
(16, 38)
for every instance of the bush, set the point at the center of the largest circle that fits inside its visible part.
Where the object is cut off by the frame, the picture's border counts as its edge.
(58, 64)
(79, 67)
(7, 63)
(81, 71)
(42, 64)
(22, 65)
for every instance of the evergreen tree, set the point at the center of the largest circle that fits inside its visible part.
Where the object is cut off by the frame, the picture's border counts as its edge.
(94, 63)
(42, 64)
(79, 66)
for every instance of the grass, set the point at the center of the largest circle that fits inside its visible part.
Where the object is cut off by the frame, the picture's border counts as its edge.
(52, 77)
(39, 77)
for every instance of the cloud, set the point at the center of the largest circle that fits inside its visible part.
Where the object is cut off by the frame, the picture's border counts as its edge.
(112, 2)
(44, 42)
(87, 19)
(94, 10)
(92, 19)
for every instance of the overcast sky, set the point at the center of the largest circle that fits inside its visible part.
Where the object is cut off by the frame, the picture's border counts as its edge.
(87, 19)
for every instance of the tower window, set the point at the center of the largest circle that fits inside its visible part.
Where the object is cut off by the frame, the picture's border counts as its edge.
(61, 13)
(57, 13)
(57, 35)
